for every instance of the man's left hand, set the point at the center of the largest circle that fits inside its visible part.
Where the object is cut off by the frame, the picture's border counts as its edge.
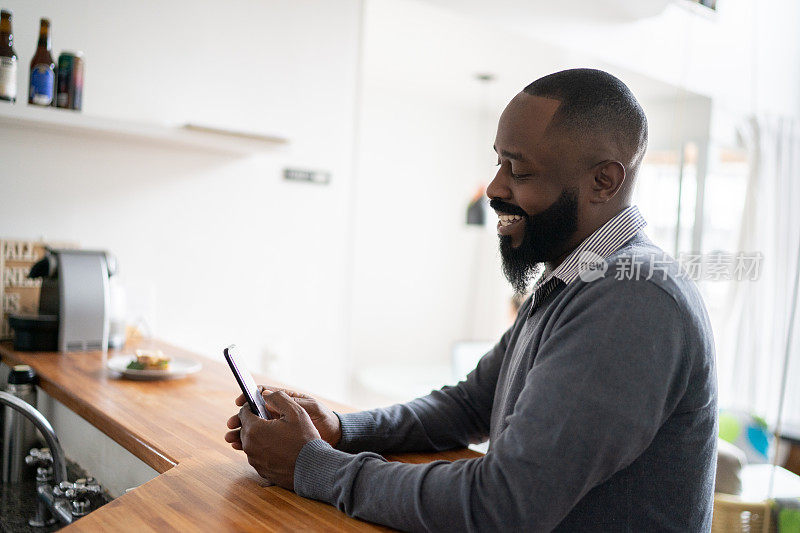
(272, 446)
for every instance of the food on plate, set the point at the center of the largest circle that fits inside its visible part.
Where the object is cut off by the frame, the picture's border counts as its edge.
(149, 360)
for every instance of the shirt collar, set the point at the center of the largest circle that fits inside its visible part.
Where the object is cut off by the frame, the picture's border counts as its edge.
(605, 240)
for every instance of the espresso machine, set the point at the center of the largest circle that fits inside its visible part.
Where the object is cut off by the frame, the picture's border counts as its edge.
(73, 303)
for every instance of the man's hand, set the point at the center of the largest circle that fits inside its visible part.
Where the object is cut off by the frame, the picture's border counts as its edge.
(325, 420)
(272, 446)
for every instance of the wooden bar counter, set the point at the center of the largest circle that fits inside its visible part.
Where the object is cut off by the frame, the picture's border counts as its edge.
(177, 428)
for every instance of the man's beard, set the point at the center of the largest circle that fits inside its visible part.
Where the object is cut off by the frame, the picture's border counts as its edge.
(546, 235)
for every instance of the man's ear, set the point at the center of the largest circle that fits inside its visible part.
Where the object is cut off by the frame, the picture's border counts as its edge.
(608, 179)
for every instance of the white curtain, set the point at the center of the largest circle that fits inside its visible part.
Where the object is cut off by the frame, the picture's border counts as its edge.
(753, 338)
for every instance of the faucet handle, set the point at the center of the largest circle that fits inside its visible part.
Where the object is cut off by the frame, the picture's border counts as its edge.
(65, 489)
(81, 488)
(58, 492)
(40, 457)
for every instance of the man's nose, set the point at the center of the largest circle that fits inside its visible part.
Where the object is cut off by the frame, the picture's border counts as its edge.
(498, 188)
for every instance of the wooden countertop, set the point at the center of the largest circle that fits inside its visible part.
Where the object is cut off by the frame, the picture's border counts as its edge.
(177, 428)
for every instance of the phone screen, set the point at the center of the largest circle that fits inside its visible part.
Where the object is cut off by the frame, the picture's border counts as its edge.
(246, 382)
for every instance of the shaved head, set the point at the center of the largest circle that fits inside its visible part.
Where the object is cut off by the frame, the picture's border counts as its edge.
(598, 110)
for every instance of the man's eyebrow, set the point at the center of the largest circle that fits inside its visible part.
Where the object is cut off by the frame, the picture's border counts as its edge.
(516, 156)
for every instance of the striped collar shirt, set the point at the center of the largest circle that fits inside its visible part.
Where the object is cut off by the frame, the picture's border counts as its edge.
(606, 240)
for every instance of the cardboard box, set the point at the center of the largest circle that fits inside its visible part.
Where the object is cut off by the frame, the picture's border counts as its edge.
(18, 293)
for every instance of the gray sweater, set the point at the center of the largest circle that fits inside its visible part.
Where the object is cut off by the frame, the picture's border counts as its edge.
(601, 410)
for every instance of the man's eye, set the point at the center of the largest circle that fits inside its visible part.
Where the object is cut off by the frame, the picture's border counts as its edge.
(520, 176)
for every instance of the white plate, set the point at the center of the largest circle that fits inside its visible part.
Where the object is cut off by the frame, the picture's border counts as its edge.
(178, 367)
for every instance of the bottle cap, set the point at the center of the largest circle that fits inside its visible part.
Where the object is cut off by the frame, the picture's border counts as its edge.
(21, 374)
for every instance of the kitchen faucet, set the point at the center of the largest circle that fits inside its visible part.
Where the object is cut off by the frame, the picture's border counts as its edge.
(65, 500)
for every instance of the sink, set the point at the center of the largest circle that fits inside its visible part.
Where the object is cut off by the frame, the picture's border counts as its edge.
(117, 470)
(18, 502)
(52, 498)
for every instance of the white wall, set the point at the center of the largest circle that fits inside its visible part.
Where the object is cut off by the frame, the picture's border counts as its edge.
(220, 247)
(415, 263)
(423, 279)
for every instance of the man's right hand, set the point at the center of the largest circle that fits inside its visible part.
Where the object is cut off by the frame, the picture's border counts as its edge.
(325, 420)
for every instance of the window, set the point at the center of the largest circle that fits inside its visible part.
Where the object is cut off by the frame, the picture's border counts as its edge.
(668, 196)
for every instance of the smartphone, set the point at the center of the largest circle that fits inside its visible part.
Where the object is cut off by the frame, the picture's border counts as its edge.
(246, 382)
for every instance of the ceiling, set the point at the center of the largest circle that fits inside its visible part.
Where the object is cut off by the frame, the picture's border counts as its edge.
(532, 19)
(533, 12)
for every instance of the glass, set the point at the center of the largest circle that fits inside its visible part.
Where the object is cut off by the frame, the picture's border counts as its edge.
(665, 193)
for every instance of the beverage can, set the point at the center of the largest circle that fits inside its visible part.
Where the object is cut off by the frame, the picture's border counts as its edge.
(70, 80)
(77, 81)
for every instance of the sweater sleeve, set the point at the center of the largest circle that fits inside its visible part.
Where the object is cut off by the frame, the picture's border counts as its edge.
(451, 417)
(603, 383)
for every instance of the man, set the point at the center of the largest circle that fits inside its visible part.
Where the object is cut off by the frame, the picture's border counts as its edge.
(599, 402)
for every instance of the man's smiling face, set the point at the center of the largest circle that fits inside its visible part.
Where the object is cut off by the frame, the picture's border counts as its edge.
(535, 191)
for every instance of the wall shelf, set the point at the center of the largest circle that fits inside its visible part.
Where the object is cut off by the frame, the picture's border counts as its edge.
(186, 136)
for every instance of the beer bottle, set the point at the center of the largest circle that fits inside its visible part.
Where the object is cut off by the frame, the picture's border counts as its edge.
(43, 75)
(8, 59)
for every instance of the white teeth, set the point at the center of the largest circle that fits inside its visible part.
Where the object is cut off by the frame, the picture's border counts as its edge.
(506, 220)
